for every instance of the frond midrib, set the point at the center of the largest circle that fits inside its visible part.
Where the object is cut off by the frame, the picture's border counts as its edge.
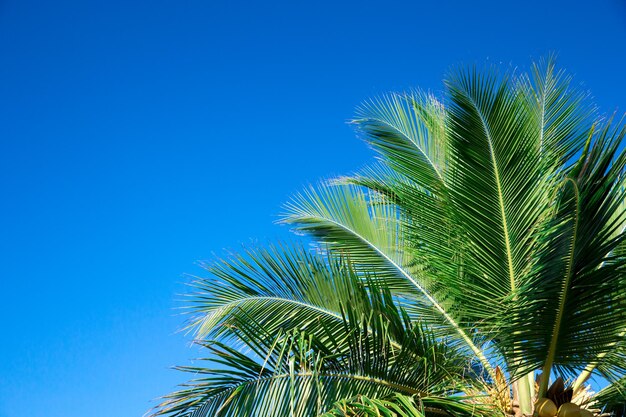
(566, 283)
(496, 171)
(478, 352)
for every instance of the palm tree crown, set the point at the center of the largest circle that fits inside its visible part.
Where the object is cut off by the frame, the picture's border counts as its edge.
(479, 259)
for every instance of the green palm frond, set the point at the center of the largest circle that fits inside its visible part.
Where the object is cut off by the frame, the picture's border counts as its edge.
(408, 131)
(499, 184)
(612, 399)
(431, 240)
(371, 236)
(582, 307)
(297, 285)
(301, 374)
(487, 245)
(399, 405)
(378, 178)
(561, 112)
(346, 221)
(610, 364)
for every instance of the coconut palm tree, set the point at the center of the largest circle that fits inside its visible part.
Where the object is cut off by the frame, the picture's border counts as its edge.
(477, 268)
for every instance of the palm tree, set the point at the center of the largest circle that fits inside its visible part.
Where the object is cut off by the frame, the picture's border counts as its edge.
(480, 259)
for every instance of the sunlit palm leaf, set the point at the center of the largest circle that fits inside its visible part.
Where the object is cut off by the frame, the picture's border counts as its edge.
(299, 287)
(408, 131)
(371, 236)
(576, 302)
(561, 112)
(612, 399)
(400, 405)
(301, 374)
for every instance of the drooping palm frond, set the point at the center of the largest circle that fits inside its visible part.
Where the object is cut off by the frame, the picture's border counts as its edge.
(430, 240)
(301, 289)
(409, 132)
(296, 373)
(346, 221)
(287, 382)
(371, 236)
(377, 178)
(364, 407)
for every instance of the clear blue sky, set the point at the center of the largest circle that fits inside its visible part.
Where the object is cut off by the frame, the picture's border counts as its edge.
(139, 137)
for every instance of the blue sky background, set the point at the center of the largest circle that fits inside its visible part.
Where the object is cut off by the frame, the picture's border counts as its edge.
(139, 137)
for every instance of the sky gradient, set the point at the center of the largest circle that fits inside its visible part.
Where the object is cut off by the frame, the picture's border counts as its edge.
(137, 138)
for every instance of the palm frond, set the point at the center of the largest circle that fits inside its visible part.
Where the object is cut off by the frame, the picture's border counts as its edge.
(499, 182)
(399, 405)
(408, 131)
(575, 304)
(612, 399)
(371, 236)
(300, 374)
(299, 287)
